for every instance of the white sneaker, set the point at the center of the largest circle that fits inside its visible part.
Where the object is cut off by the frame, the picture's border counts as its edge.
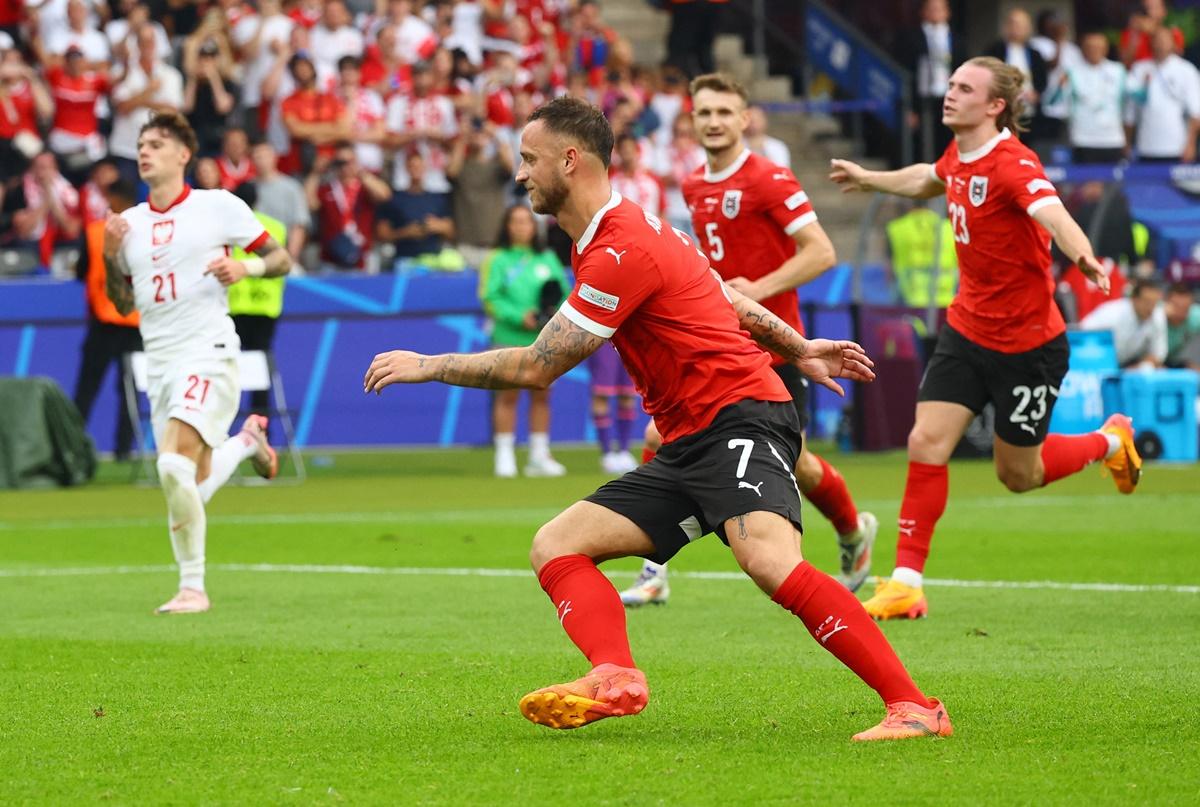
(623, 462)
(187, 601)
(505, 466)
(650, 589)
(546, 466)
(856, 551)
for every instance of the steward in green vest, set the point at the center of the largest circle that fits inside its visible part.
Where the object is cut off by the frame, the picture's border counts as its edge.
(911, 240)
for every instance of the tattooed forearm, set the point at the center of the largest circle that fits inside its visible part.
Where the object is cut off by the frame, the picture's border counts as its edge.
(277, 259)
(116, 286)
(769, 330)
(560, 346)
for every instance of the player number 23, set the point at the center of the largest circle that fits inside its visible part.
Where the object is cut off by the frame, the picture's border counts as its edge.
(958, 220)
(1037, 396)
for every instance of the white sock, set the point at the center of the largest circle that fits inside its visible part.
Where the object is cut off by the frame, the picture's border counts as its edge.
(225, 460)
(654, 569)
(909, 577)
(186, 519)
(539, 446)
(506, 444)
(1114, 444)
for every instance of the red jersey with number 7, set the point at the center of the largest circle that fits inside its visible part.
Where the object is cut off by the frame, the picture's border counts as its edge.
(1005, 299)
(651, 291)
(744, 218)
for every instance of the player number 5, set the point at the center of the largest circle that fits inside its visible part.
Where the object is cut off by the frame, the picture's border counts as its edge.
(716, 247)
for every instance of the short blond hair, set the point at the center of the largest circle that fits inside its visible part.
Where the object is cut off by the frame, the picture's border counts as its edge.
(1007, 84)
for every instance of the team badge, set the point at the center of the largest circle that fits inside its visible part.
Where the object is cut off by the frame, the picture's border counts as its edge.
(162, 232)
(977, 192)
(731, 204)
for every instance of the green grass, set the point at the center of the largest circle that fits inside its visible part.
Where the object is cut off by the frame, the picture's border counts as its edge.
(307, 687)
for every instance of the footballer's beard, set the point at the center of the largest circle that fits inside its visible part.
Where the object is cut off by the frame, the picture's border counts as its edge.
(551, 197)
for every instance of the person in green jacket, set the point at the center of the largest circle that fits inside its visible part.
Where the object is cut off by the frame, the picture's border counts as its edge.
(521, 285)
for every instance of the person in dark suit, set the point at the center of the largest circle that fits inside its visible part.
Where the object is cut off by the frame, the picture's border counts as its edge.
(929, 51)
(1014, 49)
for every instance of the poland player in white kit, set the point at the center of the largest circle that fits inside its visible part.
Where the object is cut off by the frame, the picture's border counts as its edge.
(169, 258)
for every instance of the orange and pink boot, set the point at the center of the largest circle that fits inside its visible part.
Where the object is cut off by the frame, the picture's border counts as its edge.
(607, 691)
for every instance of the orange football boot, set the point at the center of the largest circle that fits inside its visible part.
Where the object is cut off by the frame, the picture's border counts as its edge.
(1126, 464)
(607, 691)
(906, 720)
(894, 600)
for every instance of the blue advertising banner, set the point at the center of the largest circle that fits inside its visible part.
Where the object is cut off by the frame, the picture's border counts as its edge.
(832, 50)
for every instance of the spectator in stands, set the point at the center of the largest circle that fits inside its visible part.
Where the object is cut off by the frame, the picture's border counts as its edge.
(669, 100)
(47, 208)
(930, 52)
(148, 86)
(1137, 40)
(1014, 49)
(234, 161)
(281, 197)
(415, 39)
(1093, 93)
(480, 170)
(634, 182)
(1166, 103)
(76, 90)
(425, 122)
(1183, 327)
(417, 222)
(25, 104)
(1138, 324)
(383, 70)
(51, 19)
(110, 334)
(259, 37)
(334, 37)
(368, 127)
(521, 286)
(762, 143)
(209, 96)
(1054, 43)
(693, 31)
(93, 196)
(593, 42)
(207, 176)
(344, 199)
(122, 35)
(681, 157)
(315, 119)
(80, 33)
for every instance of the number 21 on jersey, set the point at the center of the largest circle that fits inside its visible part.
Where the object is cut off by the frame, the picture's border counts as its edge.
(164, 285)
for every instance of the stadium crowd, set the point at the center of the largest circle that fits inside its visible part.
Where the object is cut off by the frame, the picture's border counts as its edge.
(390, 124)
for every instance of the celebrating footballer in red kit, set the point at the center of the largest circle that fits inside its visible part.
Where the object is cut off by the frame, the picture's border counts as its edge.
(730, 432)
(1004, 342)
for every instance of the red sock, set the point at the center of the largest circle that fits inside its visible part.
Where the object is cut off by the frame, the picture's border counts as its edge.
(837, 620)
(589, 609)
(1063, 455)
(832, 498)
(647, 454)
(924, 502)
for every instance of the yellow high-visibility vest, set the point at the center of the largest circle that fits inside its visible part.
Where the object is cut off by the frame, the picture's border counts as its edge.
(911, 238)
(259, 296)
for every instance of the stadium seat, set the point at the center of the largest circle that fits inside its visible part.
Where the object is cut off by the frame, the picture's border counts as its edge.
(257, 371)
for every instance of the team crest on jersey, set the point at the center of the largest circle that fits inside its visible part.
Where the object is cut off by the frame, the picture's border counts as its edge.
(977, 192)
(731, 204)
(162, 232)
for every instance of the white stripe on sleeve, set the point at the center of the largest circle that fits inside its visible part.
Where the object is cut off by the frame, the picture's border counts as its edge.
(800, 222)
(585, 322)
(1045, 201)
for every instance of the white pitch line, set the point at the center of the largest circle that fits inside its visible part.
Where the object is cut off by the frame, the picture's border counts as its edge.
(288, 568)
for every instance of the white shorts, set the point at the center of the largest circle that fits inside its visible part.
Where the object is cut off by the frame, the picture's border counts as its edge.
(204, 393)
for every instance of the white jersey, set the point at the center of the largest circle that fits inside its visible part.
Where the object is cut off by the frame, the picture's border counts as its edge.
(184, 310)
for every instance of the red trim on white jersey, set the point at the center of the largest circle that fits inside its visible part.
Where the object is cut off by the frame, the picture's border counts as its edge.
(187, 189)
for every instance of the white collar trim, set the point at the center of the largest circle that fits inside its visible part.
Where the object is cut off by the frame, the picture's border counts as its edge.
(590, 232)
(985, 149)
(729, 170)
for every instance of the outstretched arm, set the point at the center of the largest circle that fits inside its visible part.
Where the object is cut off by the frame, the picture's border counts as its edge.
(916, 181)
(560, 346)
(1072, 241)
(821, 360)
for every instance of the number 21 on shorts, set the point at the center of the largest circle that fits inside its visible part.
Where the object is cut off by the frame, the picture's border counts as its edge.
(197, 389)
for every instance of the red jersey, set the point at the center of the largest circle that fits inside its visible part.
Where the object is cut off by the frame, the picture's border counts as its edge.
(649, 289)
(1005, 299)
(18, 112)
(233, 174)
(310, 106)
(744, 217)
(75, 100)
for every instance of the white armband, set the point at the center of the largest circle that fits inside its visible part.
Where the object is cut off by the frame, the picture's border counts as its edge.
(255, 266)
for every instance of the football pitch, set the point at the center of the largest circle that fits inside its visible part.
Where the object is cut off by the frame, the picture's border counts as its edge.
(373, 629)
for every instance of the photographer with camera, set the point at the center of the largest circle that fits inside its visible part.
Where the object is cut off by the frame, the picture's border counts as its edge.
(521, 285)
(344, 197)
(480, 172)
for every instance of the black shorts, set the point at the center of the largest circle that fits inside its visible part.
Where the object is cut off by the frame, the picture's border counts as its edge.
(797, 385)
(1022, 386)
(740, 464)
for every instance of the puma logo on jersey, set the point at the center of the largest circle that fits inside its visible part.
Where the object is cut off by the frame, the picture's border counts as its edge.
(615, 254)
(754, 488)
(780, 175)
(1030, 163)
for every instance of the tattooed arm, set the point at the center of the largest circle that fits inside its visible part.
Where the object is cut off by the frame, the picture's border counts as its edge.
(116, 283)
(560, 346)
(821, 360)
(273, 260)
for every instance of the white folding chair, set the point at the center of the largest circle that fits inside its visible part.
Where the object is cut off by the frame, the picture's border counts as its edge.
(258, 373)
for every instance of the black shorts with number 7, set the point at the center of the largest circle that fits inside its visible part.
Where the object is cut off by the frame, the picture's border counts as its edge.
(741, 463)
(1022, 386)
